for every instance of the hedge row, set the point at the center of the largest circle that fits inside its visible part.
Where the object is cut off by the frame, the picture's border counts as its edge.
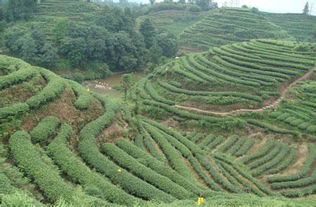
(89, 151)
(265, 78)
(190, 145)
(217, 141)
(215, 175)
(267, 49)
(174, 156)
(199, 170)
(231, 79)
(265, 158)
(268, 53)
(243, 59)
(186, 74)
(44, 129)
(246, 184)
(198, 73)
(267, 56)
(232, 150)
(254, 68)
(296, 183)
(155, 96)
(71, 165)
(245, 147)
(302, 172)
(150, 145)
(197, 137)
(83, 96)
(13, 110)
(157, 166)
(276, 159)
(132, 165)
(174, 89)
(264, 43)
(300, 192)
(238, 71)
(139, 141)
(54, 87)
(24, 72)
(285, 163)
(172, 140)
(209, 139)
(242, 172)
(272, 128)
(228, 143)
(261, 152)
(29, 159)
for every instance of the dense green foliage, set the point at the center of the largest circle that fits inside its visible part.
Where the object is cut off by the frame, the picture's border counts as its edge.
(102, 38)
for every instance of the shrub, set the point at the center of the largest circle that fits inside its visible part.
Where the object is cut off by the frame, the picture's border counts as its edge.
(173, 156)
(245, 147)
(276, 159)
(302, 172)
(22, 71)
(84, 97)
(46, 128)
(89, 151)
(13, 110)
(157, 166)
(71, 164)
(54, 87)
(47, 178)
(143, 172)
(228, 144)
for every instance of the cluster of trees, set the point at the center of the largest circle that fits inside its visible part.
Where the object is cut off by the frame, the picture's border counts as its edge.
(110, 40)
(18, 9)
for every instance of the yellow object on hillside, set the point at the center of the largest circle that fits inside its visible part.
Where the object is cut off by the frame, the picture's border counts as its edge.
(200, 201)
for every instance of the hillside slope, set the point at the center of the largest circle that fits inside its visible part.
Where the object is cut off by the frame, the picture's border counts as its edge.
(59, 141)
(302, 27)
(228, 25)
(174, 21)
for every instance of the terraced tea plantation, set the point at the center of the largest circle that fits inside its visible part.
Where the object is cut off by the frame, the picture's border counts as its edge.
(302, 27)
(61, 143)
(228, 25)
(240, 77)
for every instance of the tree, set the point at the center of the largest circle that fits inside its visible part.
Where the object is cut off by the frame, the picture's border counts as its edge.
(168, 43)
(28, 49)
(48, 55)
(204, 4)
(306, 9)
(126, 83)
(152, 2)
(155, 53)
(148, 30)
(18, 9)
(74, 49)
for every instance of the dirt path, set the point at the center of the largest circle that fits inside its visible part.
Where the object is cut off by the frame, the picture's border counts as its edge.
(283, 91)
